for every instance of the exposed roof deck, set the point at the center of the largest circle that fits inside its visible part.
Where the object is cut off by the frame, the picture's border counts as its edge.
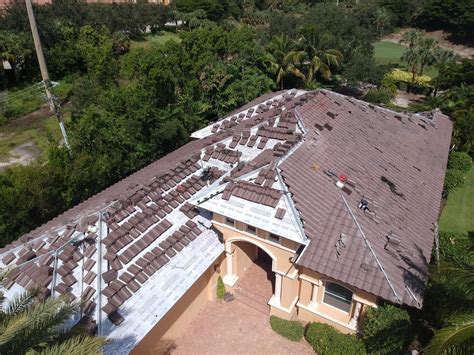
(289, 169)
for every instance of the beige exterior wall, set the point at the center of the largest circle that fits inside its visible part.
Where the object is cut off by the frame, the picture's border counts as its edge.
(245, 255)
(311, 306)
(172, 325)
(243, 245)
(302, 290)
(300, 297)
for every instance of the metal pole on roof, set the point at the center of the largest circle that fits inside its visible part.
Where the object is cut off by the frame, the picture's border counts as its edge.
(55, 273)
(99, 275)
(44, 73)
(371, 250)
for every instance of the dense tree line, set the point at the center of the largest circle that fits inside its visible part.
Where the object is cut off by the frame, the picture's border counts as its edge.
(60, 24)
(130, 112)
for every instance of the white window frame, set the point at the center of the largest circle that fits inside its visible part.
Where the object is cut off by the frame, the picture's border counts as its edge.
(336, 296)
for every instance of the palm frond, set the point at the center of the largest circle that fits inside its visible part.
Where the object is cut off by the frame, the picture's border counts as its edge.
(77, 346)
(296, 72)
(461, 278)
(20, 303)
(38, 325)
(455, 338)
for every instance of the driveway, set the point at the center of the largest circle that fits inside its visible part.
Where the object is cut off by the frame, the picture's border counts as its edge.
(239, 326)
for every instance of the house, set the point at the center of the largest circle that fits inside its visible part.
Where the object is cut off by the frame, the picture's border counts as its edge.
(340, 196)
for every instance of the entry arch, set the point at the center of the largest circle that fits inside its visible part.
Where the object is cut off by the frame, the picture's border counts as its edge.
(257, 243)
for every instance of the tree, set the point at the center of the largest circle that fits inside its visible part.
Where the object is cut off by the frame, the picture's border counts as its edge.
(97, 49)
(387, 330)
(458, 333)
(279, 48)
(427, 52)
(16, 48)
(382, 20)
(313, 55)
(29, 325)
(412, 53)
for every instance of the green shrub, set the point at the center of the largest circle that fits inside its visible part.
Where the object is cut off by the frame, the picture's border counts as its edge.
(220, 289)
(387, 330)
(291, 330)
(453, 179)
(456, 249)
(378, 96)
(460, 161)
(327, 340)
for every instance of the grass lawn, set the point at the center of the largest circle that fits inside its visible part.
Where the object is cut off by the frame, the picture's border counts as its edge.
(458, 214)
(156, 39)
(386, 52)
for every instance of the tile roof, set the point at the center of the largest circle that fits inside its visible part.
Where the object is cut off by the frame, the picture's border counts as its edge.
(385, 158)
(282, 158)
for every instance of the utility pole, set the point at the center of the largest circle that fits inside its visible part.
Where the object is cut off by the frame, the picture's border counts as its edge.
(44, 73)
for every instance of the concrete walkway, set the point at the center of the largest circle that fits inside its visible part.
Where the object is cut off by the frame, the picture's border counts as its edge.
(241, 326)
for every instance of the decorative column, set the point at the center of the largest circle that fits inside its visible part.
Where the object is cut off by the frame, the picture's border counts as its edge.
(314, 296)
(355, 315)
(230, 278)
(278, 281)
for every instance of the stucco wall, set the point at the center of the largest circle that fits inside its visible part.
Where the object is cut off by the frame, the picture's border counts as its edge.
(244, 256)
(296, 284)
(321, 312)
(172, 325)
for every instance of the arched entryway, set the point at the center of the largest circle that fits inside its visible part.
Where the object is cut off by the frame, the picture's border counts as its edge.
(250, 273)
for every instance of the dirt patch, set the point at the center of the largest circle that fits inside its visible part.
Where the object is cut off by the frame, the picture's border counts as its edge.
(21, 155)
(404, 99)
(441, 36)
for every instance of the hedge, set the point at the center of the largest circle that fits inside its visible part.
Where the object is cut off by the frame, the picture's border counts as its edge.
(378, 96)
(453, 179)
(327, 340)
(387, 330)
(220, 289)
(456, 249)
(291, 330)
(398, 75)
(460, 161)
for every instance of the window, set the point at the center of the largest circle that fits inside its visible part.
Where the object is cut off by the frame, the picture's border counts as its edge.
(251, 229)
(274, 238)
(229, 221)
(338, 296)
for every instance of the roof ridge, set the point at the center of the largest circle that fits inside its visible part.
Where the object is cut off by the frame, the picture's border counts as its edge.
(371, 250)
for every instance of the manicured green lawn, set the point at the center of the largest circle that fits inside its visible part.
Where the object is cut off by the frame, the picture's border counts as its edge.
(458, 214)
(157, 39)
(390, 53)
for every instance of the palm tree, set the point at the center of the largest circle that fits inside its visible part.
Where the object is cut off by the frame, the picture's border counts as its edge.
(458, 334)
(382, 19)
(427, 52)
(412, 54)
(313, 56)
(443, 57)
(279, 47)
(29, 325)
